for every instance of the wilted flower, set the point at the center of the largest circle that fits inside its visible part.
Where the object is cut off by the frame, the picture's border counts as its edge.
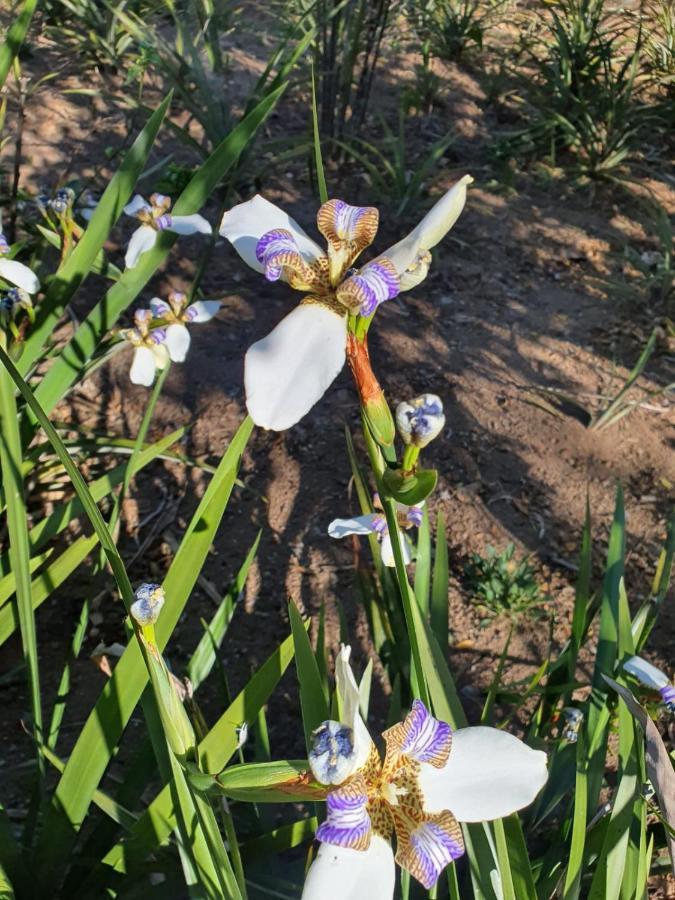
(148, 603)
(376, 523)
(287, 372)
(155, 217)
(430, 780)
(151, 353)
(176, 314)
(573, 719)
(13, 300)
(420, 420)
(652, 678)
(15, 272)
(62, 201)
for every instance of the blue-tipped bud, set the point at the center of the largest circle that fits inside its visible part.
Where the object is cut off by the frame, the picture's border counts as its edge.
(420, 420)
(148, 604)
(332, 757)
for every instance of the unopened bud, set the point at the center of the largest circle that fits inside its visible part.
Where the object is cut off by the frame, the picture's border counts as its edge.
(420, 420)
(148, 604)
(373, 402)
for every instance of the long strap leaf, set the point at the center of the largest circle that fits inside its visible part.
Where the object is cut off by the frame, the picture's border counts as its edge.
(15, 38)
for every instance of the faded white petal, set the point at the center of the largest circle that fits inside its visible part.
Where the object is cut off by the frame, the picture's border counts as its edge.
(348, 704)
(20, 275)
(340, 528)
(161, 354)
(135, 205)
(410, 252)
(245, 224)
(645, 672)
(387, 550)
(287, 372)
(203, 310)
(143, 366)
(340, 873)
(489, 774)
(141, 240)
(177, 341)
(190, 225)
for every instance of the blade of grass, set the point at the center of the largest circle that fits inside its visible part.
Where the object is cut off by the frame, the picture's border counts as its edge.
(318, 161)
(118, 699)
(312, 697)
(14, 38)
(440, 585)
(19, 551)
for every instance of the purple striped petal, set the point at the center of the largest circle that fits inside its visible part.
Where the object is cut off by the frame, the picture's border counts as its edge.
(347, 821)
(163, 222)
(277, 251)
(420, 737)
(4, 245)
(371, 286)
(430, 847)
(668, 696)
(414, 515)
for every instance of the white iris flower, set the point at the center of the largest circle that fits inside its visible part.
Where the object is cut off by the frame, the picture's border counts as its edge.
(430, 780)
(155, 217)
(176, 314)
(288, 371)
(15, 272)
(376, 523)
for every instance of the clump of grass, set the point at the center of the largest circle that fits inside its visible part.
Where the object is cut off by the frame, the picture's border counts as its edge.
(502, 586)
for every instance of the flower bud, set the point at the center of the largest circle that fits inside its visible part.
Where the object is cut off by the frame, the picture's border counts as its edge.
(332, 757)
(420, 420)
(373, 402)
(148, 604)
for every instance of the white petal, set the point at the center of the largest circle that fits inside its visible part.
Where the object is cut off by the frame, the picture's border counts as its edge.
(135, 205)
(433, 227)
(387, 550)
(348, 701)
(340, 528)
(190, 225)
(203, 310)
(489, 774)
(287, 372)
(245, 224)
(141, 240)
(340, 873)
(177, 341)
(20, 275)
(161, 354)
(645, 672)
(143, 366)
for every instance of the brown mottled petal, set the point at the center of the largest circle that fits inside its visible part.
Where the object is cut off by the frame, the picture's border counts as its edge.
(348, 231)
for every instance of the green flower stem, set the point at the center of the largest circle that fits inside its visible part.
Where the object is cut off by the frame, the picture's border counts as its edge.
(377, 463)
(410, 457)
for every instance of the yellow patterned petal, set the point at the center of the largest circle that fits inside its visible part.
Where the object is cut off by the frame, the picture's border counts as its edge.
(348, 230)
(426, 846)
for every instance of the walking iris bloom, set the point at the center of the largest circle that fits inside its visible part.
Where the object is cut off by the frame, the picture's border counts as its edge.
(376, 523)
(176, 314)
(653, 678)
(155, 217)
(288, 371)
(151, 353)
(431, 780)
(15, 272)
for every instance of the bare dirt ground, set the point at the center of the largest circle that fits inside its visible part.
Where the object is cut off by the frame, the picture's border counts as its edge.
(510, 308)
